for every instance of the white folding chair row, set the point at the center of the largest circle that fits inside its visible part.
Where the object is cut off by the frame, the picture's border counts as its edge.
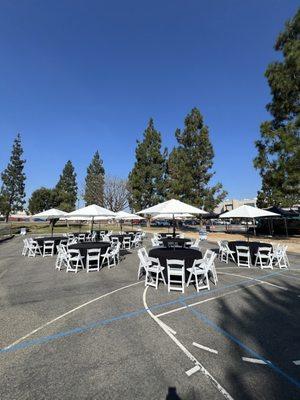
(26, 246)
(81, 237)
(112, 256)
(136, 242)
(195, 245)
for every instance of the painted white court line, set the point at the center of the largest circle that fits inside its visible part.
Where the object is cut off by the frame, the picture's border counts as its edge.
(68, 313)
(3, 272)
(254, 360)
(169, 329)
(193, 370)
(200, 346)
(186, 351)
(205, 301)
(297, 362)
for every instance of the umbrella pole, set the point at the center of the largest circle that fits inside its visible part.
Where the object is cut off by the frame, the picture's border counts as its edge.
(52, 226)
(174, 228)
(286, 228)
(248, 231)
(92, 227)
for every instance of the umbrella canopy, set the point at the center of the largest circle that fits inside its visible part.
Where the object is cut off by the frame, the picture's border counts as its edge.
(170, 216)
(52, 213)
(127, 216)
(172, 207)
(91, 211)
(248, 212)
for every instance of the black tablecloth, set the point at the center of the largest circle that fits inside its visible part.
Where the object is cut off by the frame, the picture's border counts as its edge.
(253, 246)
(171, 242)
(121, 237)
(83, 247)
(164, 254)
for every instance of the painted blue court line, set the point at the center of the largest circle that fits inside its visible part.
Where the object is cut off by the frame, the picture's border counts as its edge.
(132, 314)
(199, 315)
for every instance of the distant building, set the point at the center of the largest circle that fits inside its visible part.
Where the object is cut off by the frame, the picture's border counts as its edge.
(228, 205)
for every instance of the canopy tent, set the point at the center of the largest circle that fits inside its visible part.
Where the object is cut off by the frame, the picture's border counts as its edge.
(53, 215)
(248, 212)
(125, 216)
(92, 211)
(173, 207)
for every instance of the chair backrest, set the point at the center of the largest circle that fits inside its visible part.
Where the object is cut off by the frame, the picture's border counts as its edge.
(81, 236)
(48, 244)
(70, 235)
(169, 235)
(264, 250)
(63, 241)
(154, 242)
(175, 264)
(106, 238)
(198, 263)
(23, 231)
(93, 253)
(114, 240)
(126, 240)
(242, 250)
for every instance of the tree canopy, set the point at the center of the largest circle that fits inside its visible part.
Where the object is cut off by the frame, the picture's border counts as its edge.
(146, 181)
(190, 165)
(66, 188)
(94, 182)
(12, 195)
(278, 158)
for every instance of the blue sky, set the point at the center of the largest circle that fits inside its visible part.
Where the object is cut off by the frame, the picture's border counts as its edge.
(77, 76)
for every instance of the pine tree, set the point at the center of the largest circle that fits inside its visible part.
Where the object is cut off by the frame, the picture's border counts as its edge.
(94, 182)
(66, 188)
(190, 165)
(13, 179)
(41, 199)
(278, 156)
(146, 181)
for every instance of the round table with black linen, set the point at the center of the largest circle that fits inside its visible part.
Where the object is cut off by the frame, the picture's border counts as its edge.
(253, 246)
(83, 247)
(55, 239)
(164, 254)
(177, 242)
(121, 237)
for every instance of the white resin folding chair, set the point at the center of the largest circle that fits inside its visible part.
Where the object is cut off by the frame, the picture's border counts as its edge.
(93, 260)
(243, 256)
(224, 252)
(144, 261)
(263, 258)
(34, 249)
(175, 268)
(48, 250)
(23, 231)
(155, 242)
(74, 261)
(136, 242)
(108, 258)
(88, 237)
(114, 241)
(196, 244)
(25, 247)
(279, 257)
(153, 272)
(93, 237)
(202, 268)
(81, 237)
(169, 235)
(62, 257)
(115, 254)
(64, 241)
(126, 243)
(106, 238)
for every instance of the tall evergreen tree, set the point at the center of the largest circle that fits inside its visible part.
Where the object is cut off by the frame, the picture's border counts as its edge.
(278, 158)
(146, 181)
(94, 182)
(66, 188)
(13, 181)
(190, 165)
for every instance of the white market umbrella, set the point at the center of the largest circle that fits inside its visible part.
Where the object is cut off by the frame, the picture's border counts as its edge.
(173, 207)
(247, 212)
(170, 216)
(53, 215)
(92, 211)
(125, 216)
